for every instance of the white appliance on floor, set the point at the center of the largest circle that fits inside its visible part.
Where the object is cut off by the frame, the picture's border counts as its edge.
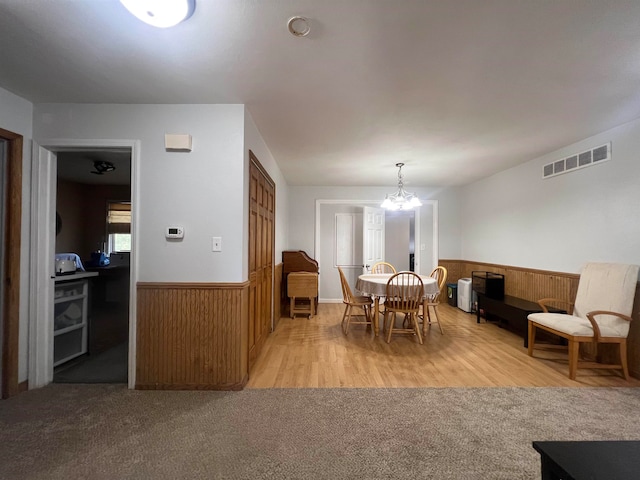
(465, 300)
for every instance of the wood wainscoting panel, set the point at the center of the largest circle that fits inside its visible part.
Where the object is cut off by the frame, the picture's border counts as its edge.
(532, 284)
(192, 336)
(527, 283)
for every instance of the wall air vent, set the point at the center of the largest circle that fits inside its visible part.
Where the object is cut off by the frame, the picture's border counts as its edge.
(576, 161)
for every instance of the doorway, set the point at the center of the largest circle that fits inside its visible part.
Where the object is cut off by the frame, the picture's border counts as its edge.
(414, 236)
(88, 214)
(93, 226)
(399, 245)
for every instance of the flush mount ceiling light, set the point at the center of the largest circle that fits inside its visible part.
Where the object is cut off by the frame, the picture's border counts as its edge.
(401, 200)
(299, 26)
(101, 167)
(161, 13)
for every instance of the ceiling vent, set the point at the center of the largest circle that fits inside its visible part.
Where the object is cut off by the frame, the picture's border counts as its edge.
(578, 160)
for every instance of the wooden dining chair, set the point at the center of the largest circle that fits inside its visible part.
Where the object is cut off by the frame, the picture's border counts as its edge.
(354, 301)
(432, 301)
(403, 295)
(383, 267)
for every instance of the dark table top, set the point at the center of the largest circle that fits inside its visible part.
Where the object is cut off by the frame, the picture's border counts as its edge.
(522, 304)
(594, 460)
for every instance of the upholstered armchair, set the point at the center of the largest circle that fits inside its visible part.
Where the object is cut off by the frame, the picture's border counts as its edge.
(600, 314)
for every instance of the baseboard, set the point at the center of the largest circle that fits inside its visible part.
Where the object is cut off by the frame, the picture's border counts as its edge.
(193, 386)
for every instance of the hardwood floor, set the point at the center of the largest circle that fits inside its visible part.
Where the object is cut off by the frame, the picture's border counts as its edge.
(315, 353)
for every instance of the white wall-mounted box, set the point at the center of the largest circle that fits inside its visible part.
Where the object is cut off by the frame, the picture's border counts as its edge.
(178, 142)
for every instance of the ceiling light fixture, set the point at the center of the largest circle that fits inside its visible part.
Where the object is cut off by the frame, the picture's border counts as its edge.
(161, 13)
(102, 166)
(401, 200)
(299, 26)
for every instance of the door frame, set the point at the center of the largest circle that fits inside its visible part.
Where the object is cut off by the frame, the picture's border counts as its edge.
(43, 186)
(10, 315)
(417, 257)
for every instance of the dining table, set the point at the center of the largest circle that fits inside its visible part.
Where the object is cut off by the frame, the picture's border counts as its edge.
(375, 285)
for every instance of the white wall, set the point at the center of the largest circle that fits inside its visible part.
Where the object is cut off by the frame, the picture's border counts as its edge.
(201, 190)
(329, 281)
(591, 214)
(396, 242)
(16, 115)
(302, 217)
(255, 143)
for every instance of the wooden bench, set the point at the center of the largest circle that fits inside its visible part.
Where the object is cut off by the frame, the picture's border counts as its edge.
(511, 312)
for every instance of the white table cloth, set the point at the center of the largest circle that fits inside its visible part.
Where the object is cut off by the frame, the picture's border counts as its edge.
(376, 284)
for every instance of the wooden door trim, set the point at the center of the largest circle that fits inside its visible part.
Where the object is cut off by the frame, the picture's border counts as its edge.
(259, 166)
(12, 235)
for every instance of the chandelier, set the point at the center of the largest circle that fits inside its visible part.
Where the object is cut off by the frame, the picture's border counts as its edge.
(401, 200)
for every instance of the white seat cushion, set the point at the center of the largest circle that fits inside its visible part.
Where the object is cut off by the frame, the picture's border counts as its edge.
(577, 326)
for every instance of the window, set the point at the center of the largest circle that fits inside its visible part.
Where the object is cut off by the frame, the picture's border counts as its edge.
(119, 227)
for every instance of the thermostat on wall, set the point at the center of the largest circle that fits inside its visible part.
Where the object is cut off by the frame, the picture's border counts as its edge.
(174, 232)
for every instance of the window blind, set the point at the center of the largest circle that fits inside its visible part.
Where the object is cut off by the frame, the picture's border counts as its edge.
(119, 217)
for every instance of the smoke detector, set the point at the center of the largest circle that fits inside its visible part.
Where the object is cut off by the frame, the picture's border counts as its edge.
(299, 26)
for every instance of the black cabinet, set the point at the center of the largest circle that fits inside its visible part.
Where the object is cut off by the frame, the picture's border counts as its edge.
(488, 283)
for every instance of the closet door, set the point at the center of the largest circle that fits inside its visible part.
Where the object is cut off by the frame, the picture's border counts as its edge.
(261, 255)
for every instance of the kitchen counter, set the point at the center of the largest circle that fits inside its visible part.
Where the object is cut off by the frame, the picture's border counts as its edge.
(106, 268)
(75, 276)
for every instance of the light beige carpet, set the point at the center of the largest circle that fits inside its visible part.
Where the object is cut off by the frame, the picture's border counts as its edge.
(108, 432)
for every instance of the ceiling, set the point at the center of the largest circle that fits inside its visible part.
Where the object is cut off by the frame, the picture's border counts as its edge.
(78, 166)
(457, 90)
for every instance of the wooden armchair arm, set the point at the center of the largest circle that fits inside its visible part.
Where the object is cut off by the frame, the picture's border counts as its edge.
(545, 301)
(594, 324)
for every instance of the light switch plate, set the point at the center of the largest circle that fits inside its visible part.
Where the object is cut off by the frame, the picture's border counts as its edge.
(216, 244)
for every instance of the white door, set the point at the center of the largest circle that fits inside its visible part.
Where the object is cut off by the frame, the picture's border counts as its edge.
(372, 237)
(42, 277)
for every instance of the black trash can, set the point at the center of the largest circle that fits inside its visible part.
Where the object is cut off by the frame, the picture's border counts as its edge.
(452, 294)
